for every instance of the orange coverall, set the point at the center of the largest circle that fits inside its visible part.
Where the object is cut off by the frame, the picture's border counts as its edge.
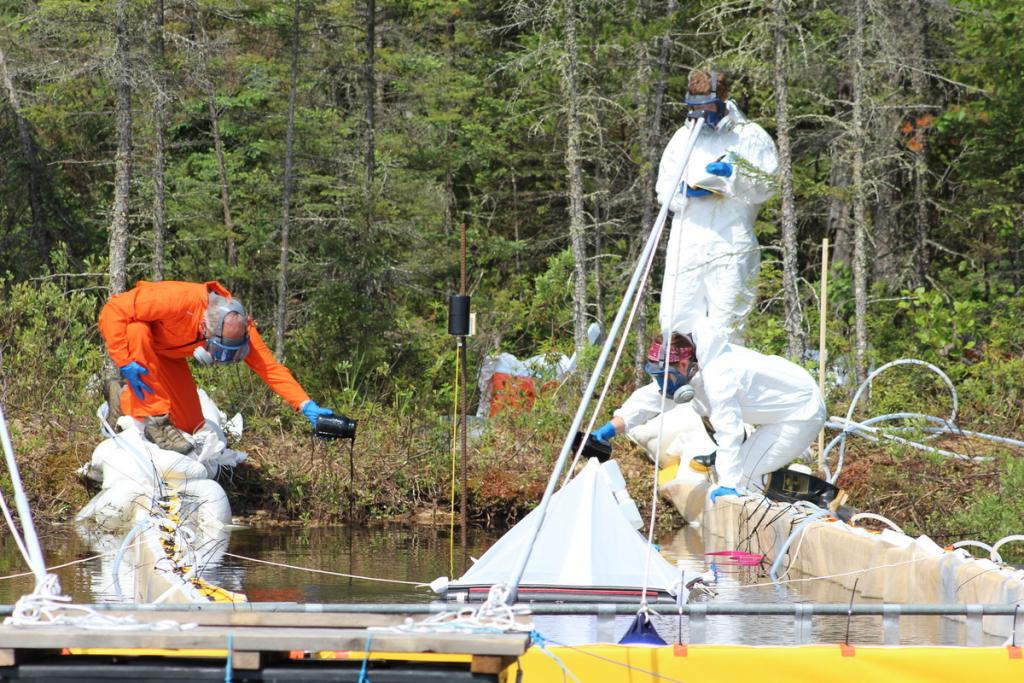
(157, 325)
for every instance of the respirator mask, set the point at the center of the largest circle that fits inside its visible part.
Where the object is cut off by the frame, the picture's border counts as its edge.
(217, 349)
(712, 116)
(678, 388)
(668, 378)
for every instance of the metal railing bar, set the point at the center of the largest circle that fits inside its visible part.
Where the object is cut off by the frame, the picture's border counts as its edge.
(580, 608)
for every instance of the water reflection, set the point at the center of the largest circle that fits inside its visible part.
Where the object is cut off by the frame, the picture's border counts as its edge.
(390, 553)
(299, 564)
(276, 564)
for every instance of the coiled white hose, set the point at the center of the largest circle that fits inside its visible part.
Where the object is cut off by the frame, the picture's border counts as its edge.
(865, 429)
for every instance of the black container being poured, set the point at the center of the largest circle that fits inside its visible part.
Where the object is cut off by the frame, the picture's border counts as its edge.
(592, 448)
(335, 426)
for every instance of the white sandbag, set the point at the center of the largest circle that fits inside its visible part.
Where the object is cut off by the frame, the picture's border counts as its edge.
(682, 436)
(132, 470)
(115, 505)
(212, 450)
(204, 503)
(129, 456)
(687, 490)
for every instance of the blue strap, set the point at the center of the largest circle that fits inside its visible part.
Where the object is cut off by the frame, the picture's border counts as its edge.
(229, 665)
(366, 658)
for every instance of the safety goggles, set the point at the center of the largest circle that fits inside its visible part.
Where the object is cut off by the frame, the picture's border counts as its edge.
(223, 352)
(692, 100)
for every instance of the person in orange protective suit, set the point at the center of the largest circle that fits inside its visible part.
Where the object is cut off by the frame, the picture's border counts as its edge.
(152, 330)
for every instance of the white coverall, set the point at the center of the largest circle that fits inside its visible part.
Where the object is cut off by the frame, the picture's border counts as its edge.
(735, 385)
(713, 255)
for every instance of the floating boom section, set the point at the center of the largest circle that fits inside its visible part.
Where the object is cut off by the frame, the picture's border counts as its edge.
(889, 566)
(176, 513)
(587, 549)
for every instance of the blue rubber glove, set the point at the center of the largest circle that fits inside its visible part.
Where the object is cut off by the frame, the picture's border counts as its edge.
(719, 168)
(723, 491)
(697, 192)
(312, 411)
(133, 374)
(604, 433)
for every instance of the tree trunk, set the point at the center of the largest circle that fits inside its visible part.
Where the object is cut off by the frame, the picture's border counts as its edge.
(860, 286)
(574, 166)
(919, 84)
(123, 162)
(40, 233)
(370, 75)
(651, 155)
(222, 175)
(210, 92)
(160, 144)
(837, 223)
(887, 264)
(289, 152)
(795, 338)
(602, 214)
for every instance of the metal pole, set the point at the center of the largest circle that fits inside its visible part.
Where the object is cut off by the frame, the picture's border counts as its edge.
(822, 351)
(33, 551)
(652, 241)
(571, 608)
(351, 476)
(464, 511)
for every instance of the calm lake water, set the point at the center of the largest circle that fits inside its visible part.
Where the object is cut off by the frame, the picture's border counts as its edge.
(297, 564)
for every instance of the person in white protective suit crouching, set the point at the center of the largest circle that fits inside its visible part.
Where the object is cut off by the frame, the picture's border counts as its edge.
(713, 255)
(730, 385)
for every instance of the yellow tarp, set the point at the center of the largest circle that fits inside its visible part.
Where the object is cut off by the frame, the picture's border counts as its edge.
(726, 663)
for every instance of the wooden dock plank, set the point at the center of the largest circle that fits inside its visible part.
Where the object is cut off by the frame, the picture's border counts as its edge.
(264, 639)
(246, 661)
(488, 664)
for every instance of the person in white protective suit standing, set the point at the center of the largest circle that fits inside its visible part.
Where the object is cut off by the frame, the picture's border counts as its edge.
(731, 386)
(713, 255)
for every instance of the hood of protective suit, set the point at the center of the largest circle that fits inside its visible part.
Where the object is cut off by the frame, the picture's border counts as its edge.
(709, 341)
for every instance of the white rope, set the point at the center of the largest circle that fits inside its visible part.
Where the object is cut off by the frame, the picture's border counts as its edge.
(494, 615)
(418, 584)
(83, 560)
(827, 577)
(47, 606)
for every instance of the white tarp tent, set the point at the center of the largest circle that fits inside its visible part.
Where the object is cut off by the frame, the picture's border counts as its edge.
(588, 546)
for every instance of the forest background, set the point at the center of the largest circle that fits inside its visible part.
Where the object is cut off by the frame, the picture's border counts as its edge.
(321, 158)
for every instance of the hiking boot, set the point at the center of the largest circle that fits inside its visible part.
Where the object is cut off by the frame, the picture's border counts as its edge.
(112, 392)
(159, 430)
